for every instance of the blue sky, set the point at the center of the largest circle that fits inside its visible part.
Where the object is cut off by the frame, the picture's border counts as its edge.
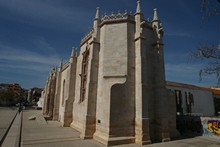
(36, 34)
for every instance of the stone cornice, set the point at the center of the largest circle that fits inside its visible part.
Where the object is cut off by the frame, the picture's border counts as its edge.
(65, 66)
(115, 76)
(87, 37)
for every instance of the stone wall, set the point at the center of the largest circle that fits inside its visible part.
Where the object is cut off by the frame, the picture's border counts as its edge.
(63, 93)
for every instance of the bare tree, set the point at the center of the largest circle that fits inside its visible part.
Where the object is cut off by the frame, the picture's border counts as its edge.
(211, 55)
(210, 7)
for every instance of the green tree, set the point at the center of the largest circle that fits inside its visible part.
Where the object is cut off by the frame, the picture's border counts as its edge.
(7, 98)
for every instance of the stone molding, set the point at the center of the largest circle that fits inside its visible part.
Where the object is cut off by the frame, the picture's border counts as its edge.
(87, 37)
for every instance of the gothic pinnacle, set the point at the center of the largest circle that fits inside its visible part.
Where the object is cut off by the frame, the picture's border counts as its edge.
(155, 15)
(72, 53)
(77, 54)
(61, 63)
(97, 16)
(138, 10)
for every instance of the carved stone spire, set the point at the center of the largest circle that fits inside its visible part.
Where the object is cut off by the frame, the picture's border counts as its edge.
(157, 25)
(77, 52)
(138, 10)
(72, 53)
(61, 63)
(97, 16)
(96, 23)
(138, 19)
(155, 18)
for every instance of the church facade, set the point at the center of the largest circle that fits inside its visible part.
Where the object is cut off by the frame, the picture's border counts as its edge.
(113, 90)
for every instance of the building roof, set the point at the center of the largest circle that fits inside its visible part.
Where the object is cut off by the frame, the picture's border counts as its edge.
(181, 85)
(214, 90)
(193, 87)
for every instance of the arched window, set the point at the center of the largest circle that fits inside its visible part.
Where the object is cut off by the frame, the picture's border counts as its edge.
(84, 74)
(63, 92)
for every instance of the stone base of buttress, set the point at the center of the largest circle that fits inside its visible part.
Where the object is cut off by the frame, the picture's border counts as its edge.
(109, 141)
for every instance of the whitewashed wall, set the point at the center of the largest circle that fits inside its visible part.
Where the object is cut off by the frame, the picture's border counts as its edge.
(203, 100)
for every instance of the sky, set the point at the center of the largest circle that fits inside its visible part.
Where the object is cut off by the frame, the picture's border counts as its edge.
(36, 34)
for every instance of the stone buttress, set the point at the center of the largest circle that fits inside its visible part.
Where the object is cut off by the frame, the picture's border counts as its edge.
(84, 106)
(57, 93)
(65, 93)
(115, 92)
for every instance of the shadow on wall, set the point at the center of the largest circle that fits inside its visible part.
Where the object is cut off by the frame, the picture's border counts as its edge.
(190, 125)
(198, 126)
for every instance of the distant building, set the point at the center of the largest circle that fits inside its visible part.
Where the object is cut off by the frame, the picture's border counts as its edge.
(2, 88)
(40, 103)
(15, 88)
(34, 94)
(10, 94)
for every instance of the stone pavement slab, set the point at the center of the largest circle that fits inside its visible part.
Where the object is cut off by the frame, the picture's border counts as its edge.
(35, 133)
(6, 117)
(12, 137)
(51, 134)
(199, 141)
(69, 143)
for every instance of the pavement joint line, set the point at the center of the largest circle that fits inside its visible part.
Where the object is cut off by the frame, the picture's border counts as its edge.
(13, 135)
(52, 140)
(21, 126)
(7, 129)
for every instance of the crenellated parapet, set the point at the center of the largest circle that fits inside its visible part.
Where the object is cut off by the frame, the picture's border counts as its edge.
(118, 17)
(137, 18)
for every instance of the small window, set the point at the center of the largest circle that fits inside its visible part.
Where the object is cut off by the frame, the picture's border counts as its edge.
(178, 96)
(189, 101)
(63, 92)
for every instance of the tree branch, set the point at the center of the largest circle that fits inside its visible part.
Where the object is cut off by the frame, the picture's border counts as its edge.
(210, 53)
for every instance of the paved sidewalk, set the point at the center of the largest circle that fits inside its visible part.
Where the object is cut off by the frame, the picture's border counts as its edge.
(37, 133)
(190, 142)
(6, 117)
(12, 138)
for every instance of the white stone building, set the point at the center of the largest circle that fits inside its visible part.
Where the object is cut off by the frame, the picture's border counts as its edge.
(114, 90)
